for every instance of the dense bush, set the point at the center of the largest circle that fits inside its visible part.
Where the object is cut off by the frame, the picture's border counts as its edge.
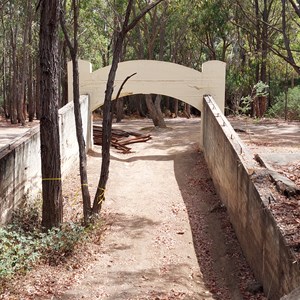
(293, 105)
(23, 244)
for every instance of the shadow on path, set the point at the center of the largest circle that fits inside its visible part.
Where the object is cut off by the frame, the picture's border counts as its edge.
(225, 271)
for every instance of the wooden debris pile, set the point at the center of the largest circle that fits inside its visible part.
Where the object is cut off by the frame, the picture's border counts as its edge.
(120, 138)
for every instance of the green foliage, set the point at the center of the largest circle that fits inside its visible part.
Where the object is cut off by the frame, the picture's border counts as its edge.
(245, 105)
(59, 243)
(27, 216)
(293, 105)
(23, 244)
(261, 89)
(18, 252)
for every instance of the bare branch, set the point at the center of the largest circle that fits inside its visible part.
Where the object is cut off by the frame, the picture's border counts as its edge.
(122, 85)
(296, 7)
(141, 15)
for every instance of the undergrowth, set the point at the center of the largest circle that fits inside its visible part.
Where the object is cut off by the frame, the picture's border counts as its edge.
(291, 109)
(23, 243)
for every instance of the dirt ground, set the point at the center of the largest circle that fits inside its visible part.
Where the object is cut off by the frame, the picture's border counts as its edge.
(167, 235)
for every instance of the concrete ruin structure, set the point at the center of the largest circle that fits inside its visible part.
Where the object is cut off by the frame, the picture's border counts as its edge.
(153, 77)
(231, 166)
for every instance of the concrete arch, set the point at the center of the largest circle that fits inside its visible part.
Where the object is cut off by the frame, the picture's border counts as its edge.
(154, 77)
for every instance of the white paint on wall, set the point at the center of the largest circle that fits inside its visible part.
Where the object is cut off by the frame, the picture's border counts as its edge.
(154, 77)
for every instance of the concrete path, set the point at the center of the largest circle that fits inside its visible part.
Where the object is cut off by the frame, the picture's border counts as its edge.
(148, 251)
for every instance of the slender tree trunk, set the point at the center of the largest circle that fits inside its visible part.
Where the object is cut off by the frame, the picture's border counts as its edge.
(107, 123)
(78, 119)
(264, 38)
(140, 101)
(52, 213)
(81, 144)
(176, 107)
(258, 40)
(187, 110)
(37, 94)
(64, 76)
(22, 79)
(119, 110)
(14, 82)
(107, 116)
(30, 95)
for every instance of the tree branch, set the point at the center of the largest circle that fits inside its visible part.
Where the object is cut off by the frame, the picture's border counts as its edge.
(296, 8)
(141, 15)
(122, 85)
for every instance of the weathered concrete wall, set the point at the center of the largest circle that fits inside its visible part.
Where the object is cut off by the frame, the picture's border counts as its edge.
(20, 164)
(233, 170)
(20, 172)
(67, 130)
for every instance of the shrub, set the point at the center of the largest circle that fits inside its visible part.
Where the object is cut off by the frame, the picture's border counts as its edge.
(23, 244)
(59, 243)
(293, 105)
(18, 252)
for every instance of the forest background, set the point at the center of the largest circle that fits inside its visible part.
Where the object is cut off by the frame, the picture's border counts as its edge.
(259, 41)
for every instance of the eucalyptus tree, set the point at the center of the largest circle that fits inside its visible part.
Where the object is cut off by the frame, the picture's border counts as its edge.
(73, 48)
(52, 211)
(126, 24)
(290, 13)
(17, 28)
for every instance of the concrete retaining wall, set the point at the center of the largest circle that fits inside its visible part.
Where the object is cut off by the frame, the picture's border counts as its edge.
(233, 170)
(20, 163)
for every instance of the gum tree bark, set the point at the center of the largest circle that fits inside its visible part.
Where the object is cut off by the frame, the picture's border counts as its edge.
(52, 213)
(73, 47)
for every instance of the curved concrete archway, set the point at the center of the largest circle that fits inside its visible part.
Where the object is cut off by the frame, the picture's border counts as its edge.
(154, 77)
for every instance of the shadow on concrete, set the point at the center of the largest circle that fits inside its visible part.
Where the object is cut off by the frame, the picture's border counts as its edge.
(125, 281)
(133, 227)
(217, 249)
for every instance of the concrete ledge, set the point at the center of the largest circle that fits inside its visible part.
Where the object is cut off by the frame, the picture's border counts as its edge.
(233, 171)
(294, 295)
(20, 163)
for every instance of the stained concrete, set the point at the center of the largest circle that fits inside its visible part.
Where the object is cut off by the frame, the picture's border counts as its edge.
(20, 163)
(234, 173)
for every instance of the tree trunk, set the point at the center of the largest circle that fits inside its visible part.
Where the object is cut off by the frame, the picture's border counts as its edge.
(107, 117)
(258, 39)
(119, 110)
(30, 97)
(153, 111)
(81, 144)
(37, 95)
(14, 82)
(52, 213)
(64, 76)
(157, 104)
(187, 110)
(78, 119)
(176, 107)
(140, 103)
(107, 124)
